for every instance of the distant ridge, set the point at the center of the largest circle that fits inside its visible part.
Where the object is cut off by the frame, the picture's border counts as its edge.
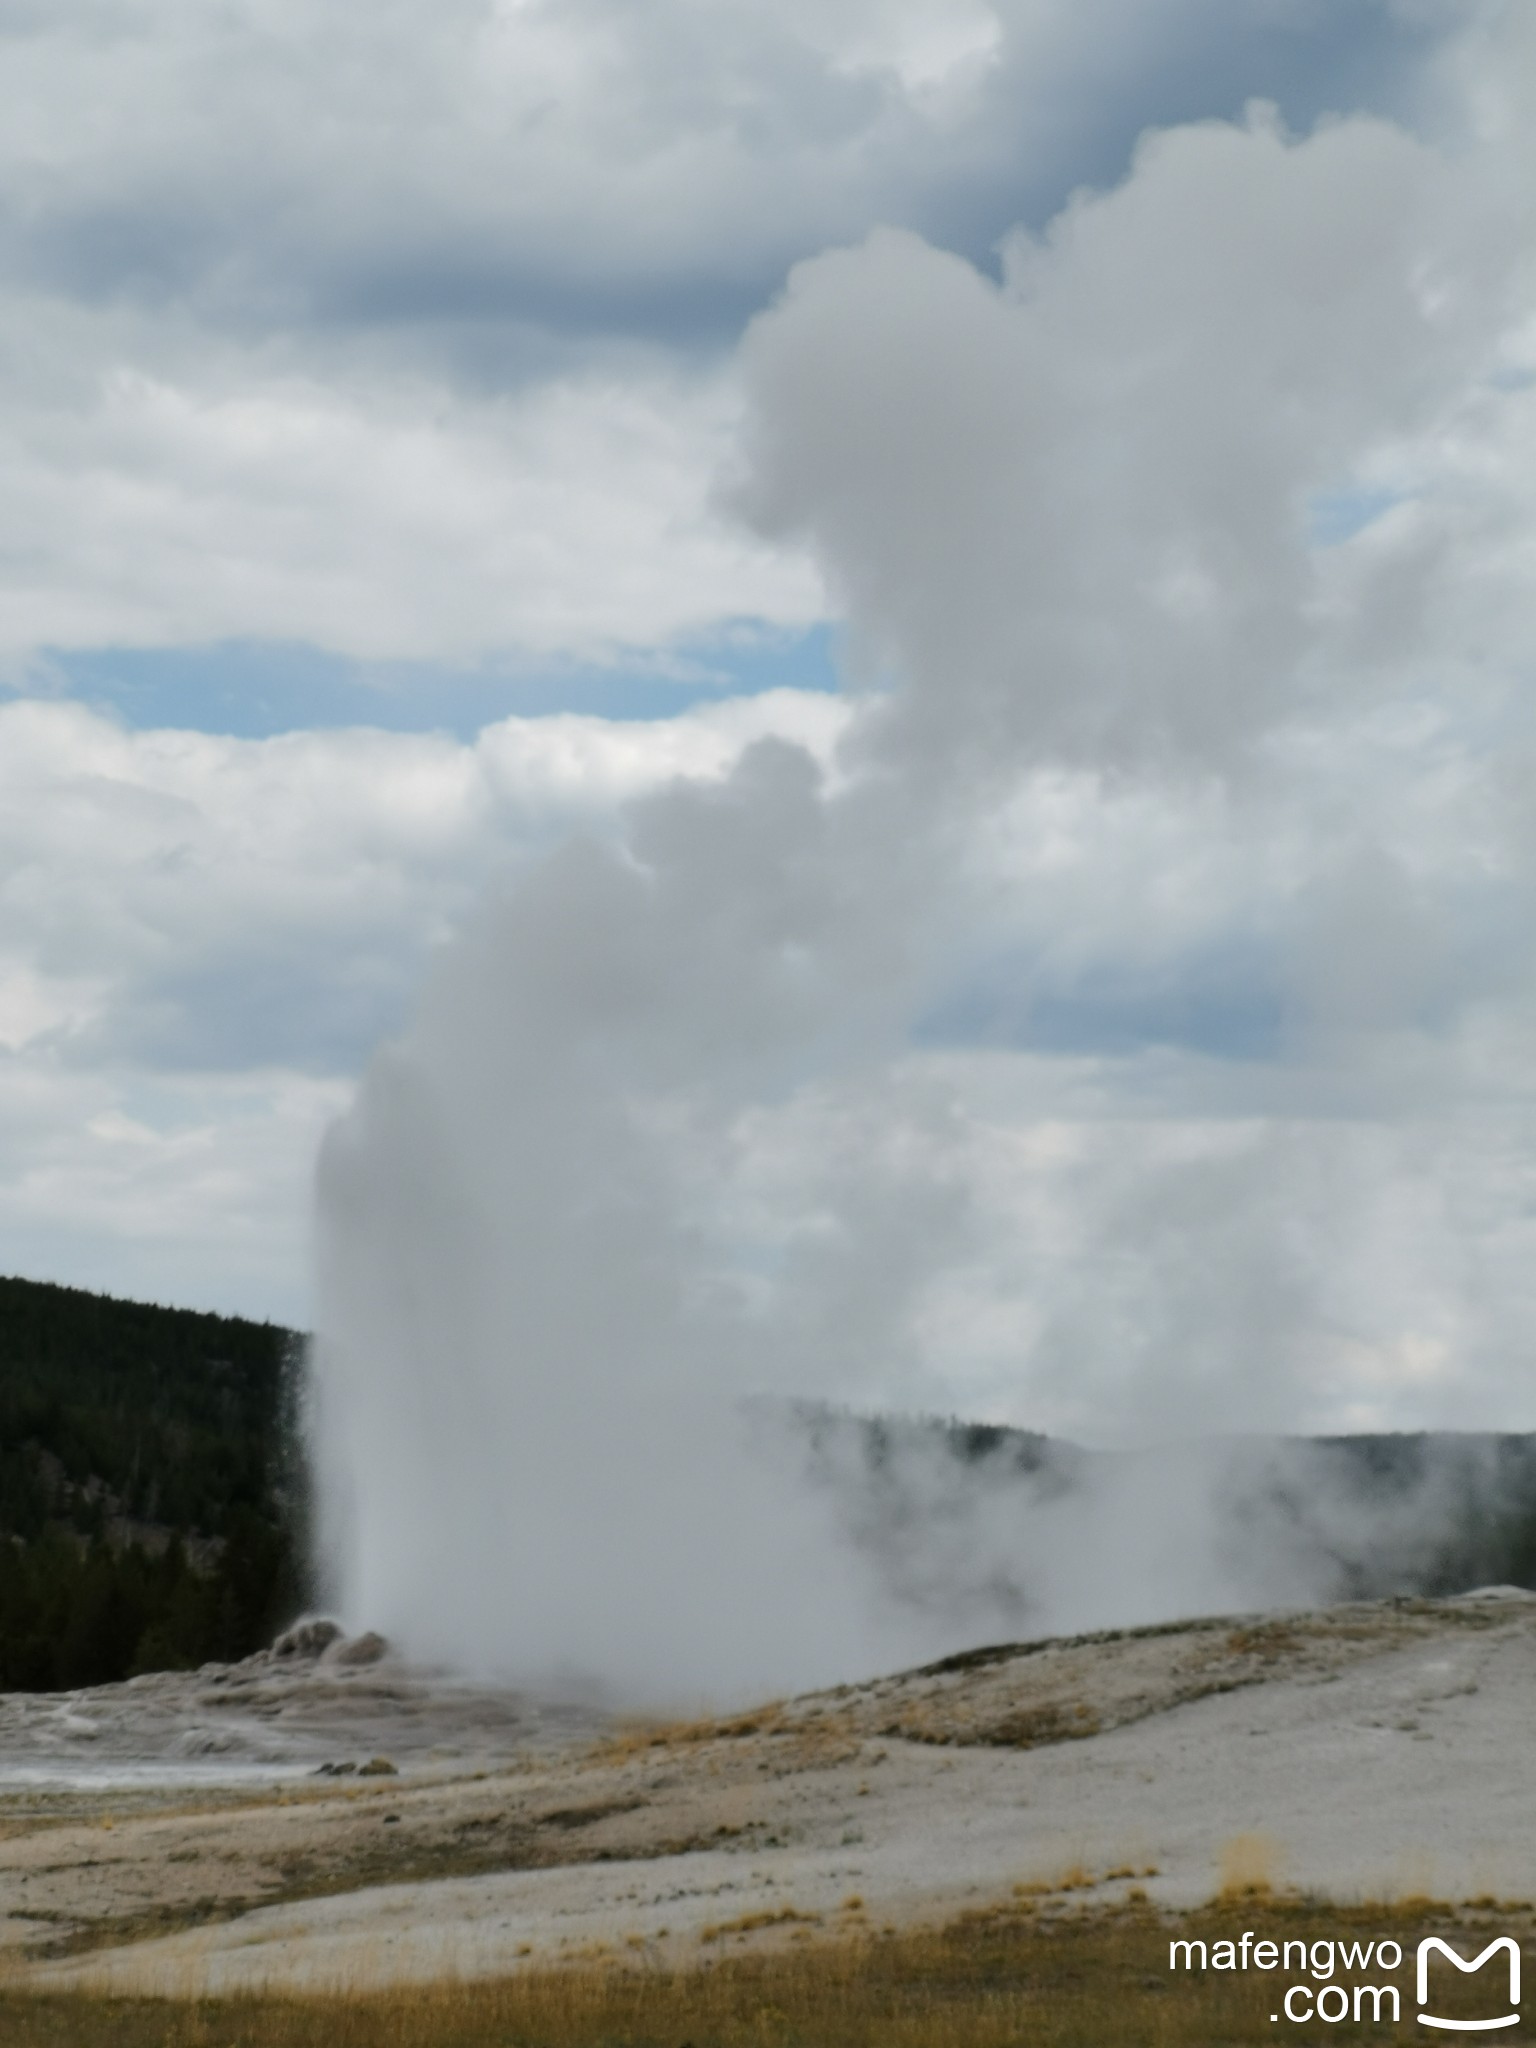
(1429, 1513)
(152, 1506)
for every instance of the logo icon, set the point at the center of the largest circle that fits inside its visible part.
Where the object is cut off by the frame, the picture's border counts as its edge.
(1507, 2019)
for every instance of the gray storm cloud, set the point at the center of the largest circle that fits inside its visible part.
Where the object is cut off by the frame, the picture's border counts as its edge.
(668, 1129)
(394, 335)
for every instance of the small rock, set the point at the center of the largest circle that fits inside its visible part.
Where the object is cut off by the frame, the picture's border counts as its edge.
(307, 1639)
(358, 1650)
(378, 1767)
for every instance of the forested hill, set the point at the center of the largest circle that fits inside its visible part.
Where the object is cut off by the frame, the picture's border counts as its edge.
(151, 1510)
(148, 1505)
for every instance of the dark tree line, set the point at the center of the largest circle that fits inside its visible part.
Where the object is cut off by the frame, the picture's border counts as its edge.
(150, 1504)
(152, 1511)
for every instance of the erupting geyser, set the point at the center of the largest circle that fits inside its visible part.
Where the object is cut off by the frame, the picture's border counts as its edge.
(729, 1103)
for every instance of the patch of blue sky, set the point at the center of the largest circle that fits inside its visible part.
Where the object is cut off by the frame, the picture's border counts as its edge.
(1233, 1024)
(263, 1008)
(255, 689)
(1225, 1004)
(1334, 517)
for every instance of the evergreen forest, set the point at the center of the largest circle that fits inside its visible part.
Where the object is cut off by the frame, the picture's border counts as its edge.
(152, 1508)
(150, 1501)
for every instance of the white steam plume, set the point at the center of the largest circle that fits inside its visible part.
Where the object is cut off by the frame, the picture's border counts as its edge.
(673, 1125)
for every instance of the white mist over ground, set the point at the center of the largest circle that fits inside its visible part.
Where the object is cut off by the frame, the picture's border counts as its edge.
(758, 1095)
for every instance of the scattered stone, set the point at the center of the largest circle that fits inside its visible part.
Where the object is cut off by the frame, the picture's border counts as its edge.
(355, 1651)
(307, 1639)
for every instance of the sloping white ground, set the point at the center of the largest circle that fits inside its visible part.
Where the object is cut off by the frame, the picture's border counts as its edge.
(315, 1696)
(1406, 1771)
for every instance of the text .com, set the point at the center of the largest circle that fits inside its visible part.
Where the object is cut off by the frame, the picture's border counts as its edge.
(1313, 1995)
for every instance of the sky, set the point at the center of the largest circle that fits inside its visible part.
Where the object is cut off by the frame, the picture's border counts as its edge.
(1048, 488)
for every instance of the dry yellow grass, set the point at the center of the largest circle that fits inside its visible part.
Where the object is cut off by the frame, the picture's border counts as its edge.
(813, 1733)
(636, 1738)
(1062, 1979)
(754, 1923)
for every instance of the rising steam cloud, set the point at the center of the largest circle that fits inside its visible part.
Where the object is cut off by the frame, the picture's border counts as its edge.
(757, 1097)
